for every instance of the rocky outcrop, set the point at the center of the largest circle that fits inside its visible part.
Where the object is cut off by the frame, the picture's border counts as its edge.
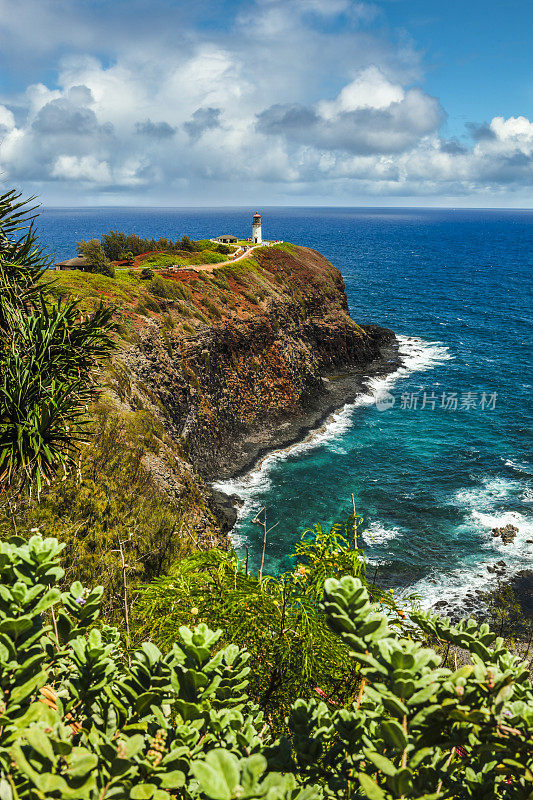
(507, 533)
(265, 371)
(241, 360)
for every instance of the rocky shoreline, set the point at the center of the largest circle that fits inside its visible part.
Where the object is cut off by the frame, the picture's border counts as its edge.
(518, 584)
(338, 390)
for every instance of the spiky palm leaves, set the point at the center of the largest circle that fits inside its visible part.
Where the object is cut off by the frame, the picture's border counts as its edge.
(48, 353)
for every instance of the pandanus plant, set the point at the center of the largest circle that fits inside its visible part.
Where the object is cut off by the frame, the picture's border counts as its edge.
(49, 352)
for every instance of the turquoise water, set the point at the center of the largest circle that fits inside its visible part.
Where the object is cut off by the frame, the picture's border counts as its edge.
(429, 481)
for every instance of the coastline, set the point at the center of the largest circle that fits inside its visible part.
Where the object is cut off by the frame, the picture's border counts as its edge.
(339, 390)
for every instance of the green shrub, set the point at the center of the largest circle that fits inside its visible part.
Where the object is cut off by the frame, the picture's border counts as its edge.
(82, 719)
(112, 497)
(147, 274)
(152, 304)
(168, 289)
(212, 308)
(95, 255)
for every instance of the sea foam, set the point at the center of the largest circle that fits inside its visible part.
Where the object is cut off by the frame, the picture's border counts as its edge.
(417, 355)
(482, 505)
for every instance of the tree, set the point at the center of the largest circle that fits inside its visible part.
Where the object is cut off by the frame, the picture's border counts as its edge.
(48, 355)
(187, 244)
(95, 255)
(114, 244)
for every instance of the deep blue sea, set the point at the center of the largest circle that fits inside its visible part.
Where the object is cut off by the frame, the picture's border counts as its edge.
(433, 472)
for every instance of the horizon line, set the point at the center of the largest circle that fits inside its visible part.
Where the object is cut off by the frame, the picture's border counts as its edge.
(248, 206)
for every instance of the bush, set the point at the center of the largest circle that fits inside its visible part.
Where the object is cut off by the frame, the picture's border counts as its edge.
(112, 497)
(83, 719)
(147, 274)
(170, 290)
(95, 255)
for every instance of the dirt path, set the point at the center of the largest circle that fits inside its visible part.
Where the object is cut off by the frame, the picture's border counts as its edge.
(193, 267)
(211, 267)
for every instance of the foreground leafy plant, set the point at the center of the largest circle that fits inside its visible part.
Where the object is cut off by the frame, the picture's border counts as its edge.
(278, 619)
(79, 719)
(48, 354)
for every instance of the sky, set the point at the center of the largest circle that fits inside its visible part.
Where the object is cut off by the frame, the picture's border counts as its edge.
(274, 102)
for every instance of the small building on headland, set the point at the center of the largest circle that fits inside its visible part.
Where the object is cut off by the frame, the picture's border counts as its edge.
(79, 262)
(227, 239)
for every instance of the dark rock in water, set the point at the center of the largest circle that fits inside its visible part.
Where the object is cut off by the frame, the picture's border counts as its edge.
(440, 604)
(507, 533)
(491, 569)
(501, 563)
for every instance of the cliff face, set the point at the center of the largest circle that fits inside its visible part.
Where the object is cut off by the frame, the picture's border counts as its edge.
(242, 359)
(241, 384)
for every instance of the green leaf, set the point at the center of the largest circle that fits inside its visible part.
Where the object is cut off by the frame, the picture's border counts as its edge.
(14, 627)
(381, 762)
(40, 742)
(143, 791)
(19, 693)
(423, 695)
(82, 762)
(504, 694)
(173, 780)
(218, 775)
(403, 782)
(371, 789)
(394, 733)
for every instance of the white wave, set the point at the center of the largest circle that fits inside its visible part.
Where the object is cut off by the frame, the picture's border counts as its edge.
(376, 533)
(416, 355)
(517, 466)
(527, 496)
(489, 492)
(521, 548)
(483, 507)
(453, 586)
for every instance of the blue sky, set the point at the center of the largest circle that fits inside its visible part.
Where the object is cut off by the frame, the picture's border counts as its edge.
(329, 102)
(478, 55)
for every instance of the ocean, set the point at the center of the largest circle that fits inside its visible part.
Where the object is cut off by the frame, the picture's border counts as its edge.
(436, 454)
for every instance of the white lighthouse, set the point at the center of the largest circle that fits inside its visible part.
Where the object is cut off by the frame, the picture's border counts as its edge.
(256, 229)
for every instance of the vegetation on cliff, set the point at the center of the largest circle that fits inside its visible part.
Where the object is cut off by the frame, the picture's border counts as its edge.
(111, 505)
(336, 694)
(130, 249)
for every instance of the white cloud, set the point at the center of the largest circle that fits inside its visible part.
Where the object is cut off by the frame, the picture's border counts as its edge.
(274, 106)
(516, 131)
(7, 119)
(370, 115)
(370, 89)
(85, 168)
